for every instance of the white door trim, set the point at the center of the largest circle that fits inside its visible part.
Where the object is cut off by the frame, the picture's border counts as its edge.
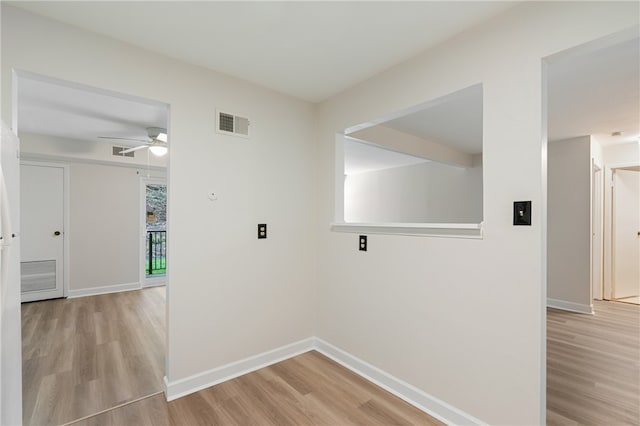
(596, 231)
(65, 217)
(144, 281)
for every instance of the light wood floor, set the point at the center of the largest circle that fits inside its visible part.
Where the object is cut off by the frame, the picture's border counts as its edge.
(593, 366)
(309, 389)
(631, 299)
(81, 356)
(98, 354)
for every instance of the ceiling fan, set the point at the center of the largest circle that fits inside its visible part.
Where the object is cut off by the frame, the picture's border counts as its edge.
(157, 141)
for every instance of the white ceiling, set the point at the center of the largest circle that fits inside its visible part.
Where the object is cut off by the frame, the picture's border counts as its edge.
(320, 48)
(361, 157)
(310, 50)
(70, 111)
(596, 93)
(454, 120)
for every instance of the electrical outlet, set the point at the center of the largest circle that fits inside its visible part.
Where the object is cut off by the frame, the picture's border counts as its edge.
(262, 231)
(522, 213)
(362, 243)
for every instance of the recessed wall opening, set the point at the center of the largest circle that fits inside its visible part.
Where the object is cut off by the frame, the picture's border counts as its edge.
(418, 168)
(590, 120)
(80, 213)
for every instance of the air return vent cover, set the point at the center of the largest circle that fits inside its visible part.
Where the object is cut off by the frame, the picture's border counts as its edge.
(231, 124)
(38, 275)
(116, 150)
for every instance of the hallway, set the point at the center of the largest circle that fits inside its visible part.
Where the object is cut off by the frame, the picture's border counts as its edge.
(593, 366)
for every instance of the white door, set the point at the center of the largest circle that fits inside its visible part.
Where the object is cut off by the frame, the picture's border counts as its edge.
(626, 233)
(42, 219)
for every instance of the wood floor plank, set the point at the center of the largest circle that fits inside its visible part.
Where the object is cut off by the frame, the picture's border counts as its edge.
(292, 392)
(85, 355)
(82, 356)
(593, 366)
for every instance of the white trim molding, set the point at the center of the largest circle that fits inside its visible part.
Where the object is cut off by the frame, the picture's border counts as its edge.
(196, 382)
(570, 306)
(403, 390)
(449, 230)
(412, 395)
(94, 291)
(160, 281)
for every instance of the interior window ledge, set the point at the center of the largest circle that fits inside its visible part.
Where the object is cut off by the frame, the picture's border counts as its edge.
(448, 230)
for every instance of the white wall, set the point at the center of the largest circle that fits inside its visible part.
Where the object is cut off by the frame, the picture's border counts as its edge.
(230, 295)
(622, 154)
(423, 193)
(460, 319)
(569, 224)
(51, 148)
(104, 237)
(104, 203)
(597, 152)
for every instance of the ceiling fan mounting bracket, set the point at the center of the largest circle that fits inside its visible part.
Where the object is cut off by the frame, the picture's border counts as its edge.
(154, 132)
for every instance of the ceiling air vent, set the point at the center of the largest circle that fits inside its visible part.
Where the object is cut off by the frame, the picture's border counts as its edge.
(231, 124)
(116, 150)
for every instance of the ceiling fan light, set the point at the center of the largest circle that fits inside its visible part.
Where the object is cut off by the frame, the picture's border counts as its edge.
(158, 150)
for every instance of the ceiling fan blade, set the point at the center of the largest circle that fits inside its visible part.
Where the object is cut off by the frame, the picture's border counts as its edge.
(126, 151)
(123, 139)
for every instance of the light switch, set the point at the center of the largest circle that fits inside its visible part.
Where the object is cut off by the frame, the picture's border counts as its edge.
(522, 213)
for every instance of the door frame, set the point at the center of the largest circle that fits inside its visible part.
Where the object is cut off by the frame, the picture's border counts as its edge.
(609, 255)
(597, 246)
(66, 223)
(144, 281)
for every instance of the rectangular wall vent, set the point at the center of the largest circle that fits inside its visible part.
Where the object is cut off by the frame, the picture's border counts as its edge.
(38, 275)
(117, 149)
(231, 124)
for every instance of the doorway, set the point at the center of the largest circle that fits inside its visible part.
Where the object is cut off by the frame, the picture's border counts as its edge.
(153, 254)
(625, 235)
(82, 355)
(43, 219)
(586, 98)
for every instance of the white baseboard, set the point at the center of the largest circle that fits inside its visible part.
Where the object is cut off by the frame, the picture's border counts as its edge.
(183, 387)
(154, 283)
(570, 306)
(414, 396)
(93, 291)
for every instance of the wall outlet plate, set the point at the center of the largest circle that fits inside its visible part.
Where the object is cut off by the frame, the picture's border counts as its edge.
(262, 231)
(362, 243)
(522, 213)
